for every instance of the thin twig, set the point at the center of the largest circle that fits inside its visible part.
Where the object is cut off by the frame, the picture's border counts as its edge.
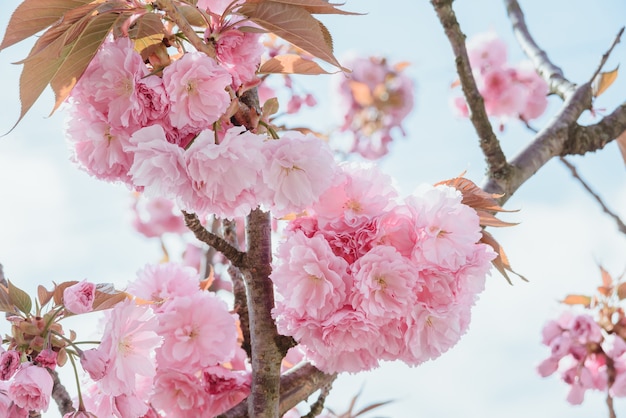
(620, 225)
(606, 55)
(494, 156)
(173, 13)
(583, 139)
(236, 257)
(551, 73)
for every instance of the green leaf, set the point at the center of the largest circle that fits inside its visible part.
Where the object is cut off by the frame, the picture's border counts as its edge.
(294, 24)
(33, 16)
(20, 299)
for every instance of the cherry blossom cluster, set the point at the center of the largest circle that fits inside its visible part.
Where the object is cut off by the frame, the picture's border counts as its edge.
(585, 356)
(509, 92)
(376, 97)
(159, 355)
(149, 132)
(368, 277)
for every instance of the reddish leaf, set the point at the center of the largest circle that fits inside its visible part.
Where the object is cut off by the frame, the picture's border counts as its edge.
(294, 24)
(44, 295)
(474, 196)
(501, 262)
(361, 93)
(291, 64)
(5, 303)
(607, 280)
(621, 291)
(313, 6)
(146, 31)
(603, 81)
(577, 300)
(192, 15)
(33, 16)
(104, 300)
(58, 291)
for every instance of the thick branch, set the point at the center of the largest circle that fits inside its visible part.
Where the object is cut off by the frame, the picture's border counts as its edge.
(583, 139)
(60, 394)
(173, 13)
(236, 257)
(550, 72)
(297, 384)
(548, 143)
(266, 355)
(496, 161)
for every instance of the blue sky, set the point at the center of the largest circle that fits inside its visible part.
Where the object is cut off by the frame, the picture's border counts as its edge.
(57, 223)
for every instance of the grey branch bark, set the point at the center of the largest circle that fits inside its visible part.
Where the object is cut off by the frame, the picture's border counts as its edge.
(497, 165)
(551, 73)
(296, 384)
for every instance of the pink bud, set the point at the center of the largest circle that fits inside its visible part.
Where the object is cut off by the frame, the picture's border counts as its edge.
(9, 362)
(47, 358)
(79, 297)
(94, 362)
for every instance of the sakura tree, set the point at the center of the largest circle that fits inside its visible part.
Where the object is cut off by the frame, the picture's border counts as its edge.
(173, 101)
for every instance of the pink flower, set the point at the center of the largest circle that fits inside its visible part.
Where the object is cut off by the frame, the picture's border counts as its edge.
(300, 168)
(226, 388)
(503, 94)
(177, 393)
(47, 358)
(79, 298)
(309, 277)
(537, 100)
(31, 387)
(157, 216)
(584, 329)
(98, 147)
(95, 362)
(385, 282)
(129, 339)
(79, 414)
(548, 366)
(9, 362)
(448, 229)
(361, 192)
(198, 331)
(486, 51)
(239, 52)
(196, 86)
(158, 166)
(225, 176)
(165, 281)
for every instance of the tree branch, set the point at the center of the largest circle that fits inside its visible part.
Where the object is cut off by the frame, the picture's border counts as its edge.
(236, 257)
(297, 384)
(620, 225)
(551, 73)
(583, 139)
(266, 355)
(497, 165)
(548, 143)
(60, 394)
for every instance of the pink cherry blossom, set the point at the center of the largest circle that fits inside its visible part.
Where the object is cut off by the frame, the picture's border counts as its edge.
(196, 86)
(47, 358)
(198, 331)
(156, 216)
(239, 52)
(225, 176)
(584, 329)
(31, 387)
(177, 393)
(129, 340)
(486, 50)
(448, 229)
(158, 166)
(385, 283)
(165, 281)
(309, 277)
(79, 297)
(300, 168)
(225, 387)
(95, 362)
(9, 362)
(97, 146)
